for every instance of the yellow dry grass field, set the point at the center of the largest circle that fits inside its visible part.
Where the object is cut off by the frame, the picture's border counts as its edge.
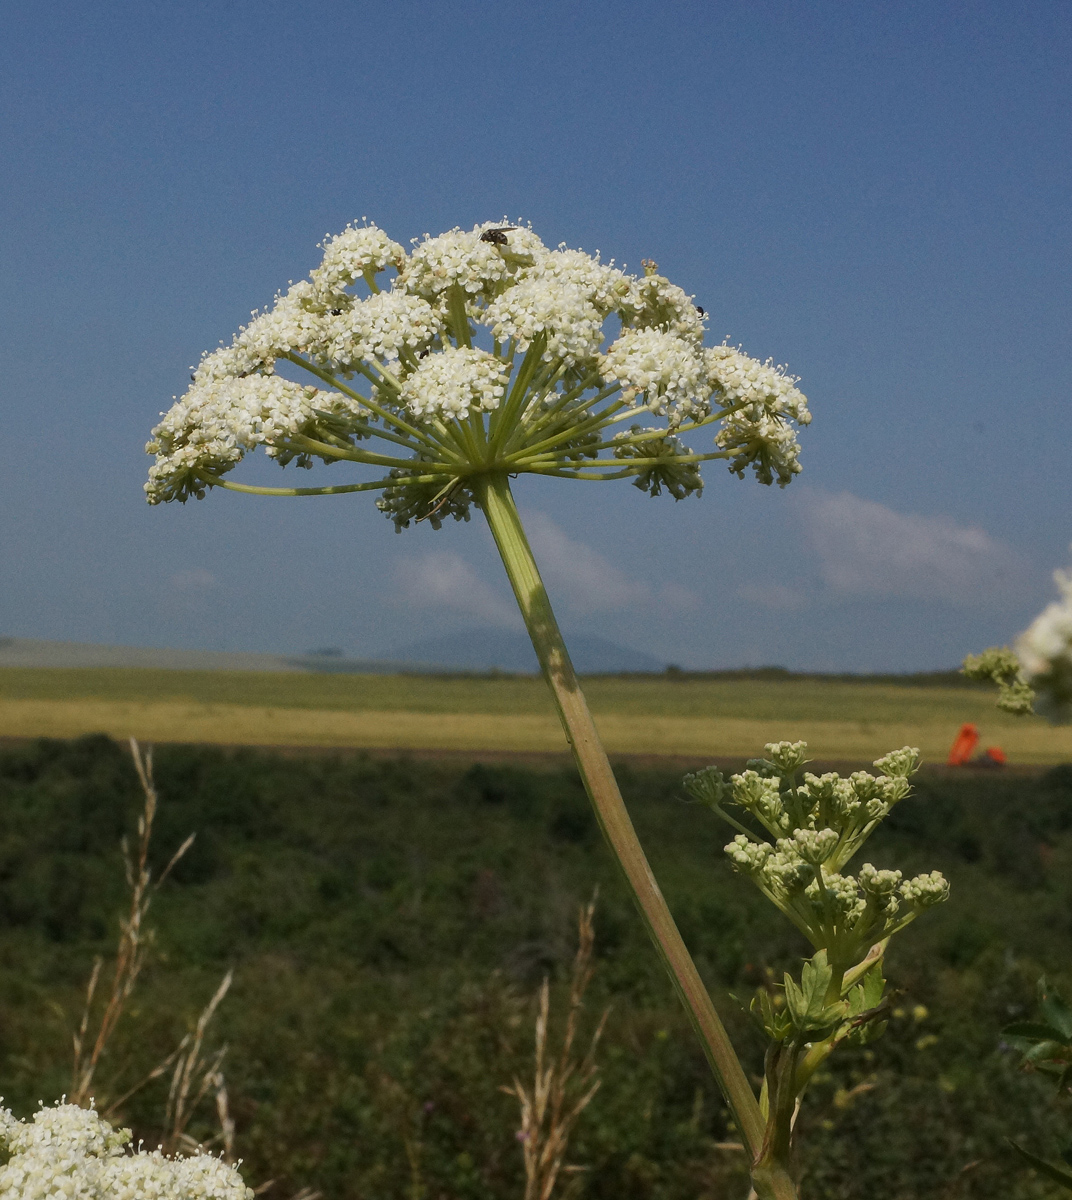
(694, 717)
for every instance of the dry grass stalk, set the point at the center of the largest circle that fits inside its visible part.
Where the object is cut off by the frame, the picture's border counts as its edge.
(191, 1080)
(193, 1075)
(563, 1087)
(133, 937)
(307, 1193)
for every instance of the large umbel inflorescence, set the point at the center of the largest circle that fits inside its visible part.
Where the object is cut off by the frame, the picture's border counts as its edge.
(796, 834)
(67, 1151)
(476, 351)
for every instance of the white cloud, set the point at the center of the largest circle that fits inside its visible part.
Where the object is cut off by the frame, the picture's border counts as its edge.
(866, 549)
(579, 578)
(585, 581)
(443, 579)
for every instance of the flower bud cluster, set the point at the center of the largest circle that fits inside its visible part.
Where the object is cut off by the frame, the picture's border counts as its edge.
(67, 1151)
(439, 336)
(814, 827)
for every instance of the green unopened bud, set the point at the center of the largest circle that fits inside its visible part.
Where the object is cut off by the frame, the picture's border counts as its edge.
(864, 786)
(788, 868)
(876, 810)
(759, 795)
(924, 891)
(894, 788)
(815, 845)
(787, 756)
(899, 763)
(748, 856)
(878, 883)
(708, 786)
(840, 892)
(880, 888)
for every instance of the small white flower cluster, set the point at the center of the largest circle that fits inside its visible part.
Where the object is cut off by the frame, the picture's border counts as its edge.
(71, 1153)
(1045, 653)
(213, 426)
(761, 432)
(834, 907)
(565, 314)
(456, 258)
(411, 340)
(454, 383)
(816, 827)
(382, 327)
(359, 252)
(664, 367)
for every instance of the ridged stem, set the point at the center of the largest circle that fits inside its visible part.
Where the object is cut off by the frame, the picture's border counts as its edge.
(497, 502)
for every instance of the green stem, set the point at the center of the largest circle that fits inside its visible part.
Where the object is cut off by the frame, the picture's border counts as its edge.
(338, 489)
(497, 503)
(772, 1170)
(384, 414)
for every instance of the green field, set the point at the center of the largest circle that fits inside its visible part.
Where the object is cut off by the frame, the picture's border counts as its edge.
(687, 715)
(804, 698)
(390, 919)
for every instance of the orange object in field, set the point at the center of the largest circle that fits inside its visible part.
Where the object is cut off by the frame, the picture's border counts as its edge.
(996, 755)
(963, 744)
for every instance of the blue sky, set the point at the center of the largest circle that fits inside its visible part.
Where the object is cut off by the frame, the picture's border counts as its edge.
(875, 194)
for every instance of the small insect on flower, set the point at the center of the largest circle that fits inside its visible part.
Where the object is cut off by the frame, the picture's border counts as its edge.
(440, 500)
(497, 237)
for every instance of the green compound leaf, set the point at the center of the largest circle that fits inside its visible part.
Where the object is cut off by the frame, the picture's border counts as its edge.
(806, 1002)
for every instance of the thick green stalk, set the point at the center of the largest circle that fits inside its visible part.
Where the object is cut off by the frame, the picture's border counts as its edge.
(497, 502)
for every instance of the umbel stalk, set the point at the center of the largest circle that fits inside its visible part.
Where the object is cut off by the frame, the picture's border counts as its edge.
(497, 502)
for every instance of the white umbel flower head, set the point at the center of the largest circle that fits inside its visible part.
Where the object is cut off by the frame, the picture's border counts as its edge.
(454, 383)
(654, 302)
(462, 320)
(603, 285)
(213, 426)
(71, 1153)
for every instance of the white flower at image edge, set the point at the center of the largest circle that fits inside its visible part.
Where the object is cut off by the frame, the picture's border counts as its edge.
(1045, 653)
(68, 1152)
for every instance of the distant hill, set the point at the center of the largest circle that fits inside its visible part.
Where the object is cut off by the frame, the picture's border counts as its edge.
(35, 652)
(496, 649)
(473, 650)
(467, 650)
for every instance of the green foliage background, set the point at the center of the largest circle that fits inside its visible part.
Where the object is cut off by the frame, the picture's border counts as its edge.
(389, 921)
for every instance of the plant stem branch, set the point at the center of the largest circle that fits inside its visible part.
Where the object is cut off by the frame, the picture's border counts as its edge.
(497, 502)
